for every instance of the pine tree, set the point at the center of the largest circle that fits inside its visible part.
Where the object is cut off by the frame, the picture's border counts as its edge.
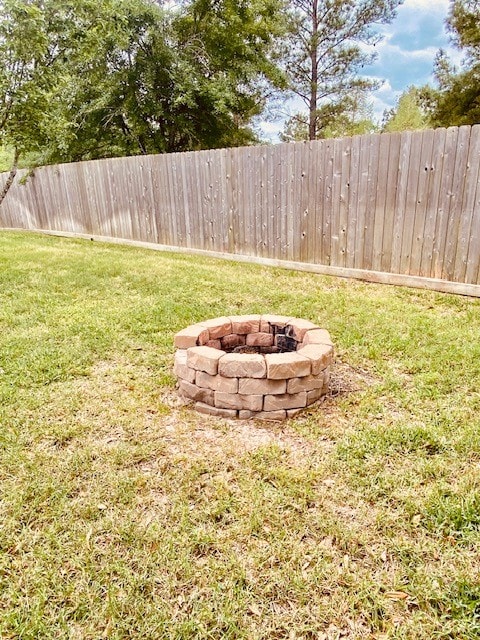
(325, 56)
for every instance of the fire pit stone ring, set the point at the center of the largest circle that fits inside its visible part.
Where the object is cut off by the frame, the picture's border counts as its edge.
(253, 366)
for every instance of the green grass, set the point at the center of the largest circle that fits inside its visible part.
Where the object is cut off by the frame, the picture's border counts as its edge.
(125, 515)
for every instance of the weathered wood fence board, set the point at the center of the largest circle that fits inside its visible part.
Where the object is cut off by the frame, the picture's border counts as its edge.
(405, 204)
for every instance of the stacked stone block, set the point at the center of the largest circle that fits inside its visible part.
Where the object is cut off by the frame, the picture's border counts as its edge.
(271, 386)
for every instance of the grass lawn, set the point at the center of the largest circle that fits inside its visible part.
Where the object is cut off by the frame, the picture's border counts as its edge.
(126, 515)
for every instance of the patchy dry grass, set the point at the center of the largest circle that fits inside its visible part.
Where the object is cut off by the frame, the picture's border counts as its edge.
(125, 515)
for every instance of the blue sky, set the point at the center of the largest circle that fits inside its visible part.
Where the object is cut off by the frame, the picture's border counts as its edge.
(404, 57)
(407, 51)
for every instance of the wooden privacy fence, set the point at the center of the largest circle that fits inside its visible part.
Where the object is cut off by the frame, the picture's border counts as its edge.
(401, 207)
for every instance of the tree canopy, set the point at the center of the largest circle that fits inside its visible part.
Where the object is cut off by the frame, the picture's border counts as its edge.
(181, 81)
(26, 73)
(83, 79)
(456, 100)
(95, 78)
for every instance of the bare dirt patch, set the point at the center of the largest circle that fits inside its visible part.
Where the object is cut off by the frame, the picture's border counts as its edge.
(345, 379)
(218, 435)
(187, 431)
(119, 402)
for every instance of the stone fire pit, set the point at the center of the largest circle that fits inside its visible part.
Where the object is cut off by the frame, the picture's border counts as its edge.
(255, 366)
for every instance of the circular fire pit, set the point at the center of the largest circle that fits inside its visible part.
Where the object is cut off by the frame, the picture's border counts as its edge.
(256, 366)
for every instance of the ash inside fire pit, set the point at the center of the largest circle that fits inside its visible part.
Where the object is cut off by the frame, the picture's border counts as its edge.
(252, 349)
(266, 366)
(281, 343)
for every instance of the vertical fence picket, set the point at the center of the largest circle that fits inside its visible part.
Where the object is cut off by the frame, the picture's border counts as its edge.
(422, 194)
(390, 201)
(370, 204)
(318, 150)
(459, 173)
(444, 203)
(432, 200)
(400, 201)
(380, 214)
(472, 267)
(411, 196)
(328, 160)
(354, 182)
(465, 227)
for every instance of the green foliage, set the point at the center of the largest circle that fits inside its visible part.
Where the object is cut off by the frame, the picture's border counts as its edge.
(6, 158)
(99, 78)
(464, 25)
(295, 128)
(456, 100)
(229, 49)
(325, 57)
(408, 115)
(352, 116)
(24, 73)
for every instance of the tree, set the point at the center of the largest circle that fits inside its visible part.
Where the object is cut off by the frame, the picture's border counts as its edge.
(41, 44)
(189, 78)
(463, 23)
(456, 100)
(228, 55)
(103, 78)
(408, 115)
(138, 76)
(25, 78)
(325, 54)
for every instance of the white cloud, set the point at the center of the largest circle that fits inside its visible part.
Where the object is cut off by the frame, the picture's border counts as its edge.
(440, 6)
(270, 131)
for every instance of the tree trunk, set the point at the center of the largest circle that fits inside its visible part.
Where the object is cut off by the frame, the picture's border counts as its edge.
(11, 176)
(312, 126)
